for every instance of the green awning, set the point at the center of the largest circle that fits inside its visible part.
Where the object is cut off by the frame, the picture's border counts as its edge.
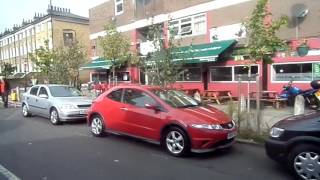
(99, 63)
(202, 52)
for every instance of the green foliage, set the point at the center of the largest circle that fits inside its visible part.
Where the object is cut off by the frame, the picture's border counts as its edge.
(262, 39)
(43, 59)
(7, 69)
(116, 47)
(66, 64)
(60, 65)
(160, 66)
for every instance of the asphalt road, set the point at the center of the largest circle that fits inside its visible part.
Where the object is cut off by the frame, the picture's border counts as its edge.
(33, 149)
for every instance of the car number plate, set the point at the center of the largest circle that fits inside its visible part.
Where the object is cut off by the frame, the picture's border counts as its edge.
(318, 94)
(82, 111)
(232, 134)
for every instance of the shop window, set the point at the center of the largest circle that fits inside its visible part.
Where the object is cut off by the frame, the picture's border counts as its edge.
(123, 76)
(296, 72)
(99, 77)
(221, 74)
(118, 7)
(190, 74)
(243, 71)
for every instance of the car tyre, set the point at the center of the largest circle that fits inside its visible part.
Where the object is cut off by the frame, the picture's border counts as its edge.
(25, 111)
(54, 117)
(176, 142)
(97, 126)
(304, 161)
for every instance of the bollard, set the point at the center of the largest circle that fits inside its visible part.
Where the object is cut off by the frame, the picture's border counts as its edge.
(299, 105)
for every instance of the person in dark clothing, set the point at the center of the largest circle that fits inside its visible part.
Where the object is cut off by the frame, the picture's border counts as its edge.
(5, 90)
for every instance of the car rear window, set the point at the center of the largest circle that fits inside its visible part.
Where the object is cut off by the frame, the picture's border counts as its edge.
(115, 95)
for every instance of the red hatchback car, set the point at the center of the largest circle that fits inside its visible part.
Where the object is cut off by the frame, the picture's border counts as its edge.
(167, 117)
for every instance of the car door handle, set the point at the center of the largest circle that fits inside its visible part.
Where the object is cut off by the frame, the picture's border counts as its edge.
(36, 100)
(124, 109)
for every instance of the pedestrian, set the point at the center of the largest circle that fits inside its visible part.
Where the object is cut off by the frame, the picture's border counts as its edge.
(5, 90)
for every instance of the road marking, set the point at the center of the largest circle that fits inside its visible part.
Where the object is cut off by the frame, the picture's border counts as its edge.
(8, 174)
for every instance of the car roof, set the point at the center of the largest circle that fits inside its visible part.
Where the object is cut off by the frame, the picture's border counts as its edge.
(50, 85)
(139, 86)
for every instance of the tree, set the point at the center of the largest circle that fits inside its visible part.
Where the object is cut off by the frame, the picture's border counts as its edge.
(116, 47)
(160, 66)
(261, 33)
(43, 59)
(67, 61)
(262, 40)
(7, 69)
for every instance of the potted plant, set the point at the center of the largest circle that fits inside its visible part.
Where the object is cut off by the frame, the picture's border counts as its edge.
(303, 48)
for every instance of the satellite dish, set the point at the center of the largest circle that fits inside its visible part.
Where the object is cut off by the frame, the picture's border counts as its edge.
(298, 14)
(299, 10)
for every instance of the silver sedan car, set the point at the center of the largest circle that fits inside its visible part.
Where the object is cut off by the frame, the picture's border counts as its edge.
(57, 102)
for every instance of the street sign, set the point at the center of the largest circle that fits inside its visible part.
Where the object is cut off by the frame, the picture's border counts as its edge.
(316, 70)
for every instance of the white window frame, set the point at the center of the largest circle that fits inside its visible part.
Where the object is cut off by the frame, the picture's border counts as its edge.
(233, 74)
(196, 18)
(272, 73)
(116, 3)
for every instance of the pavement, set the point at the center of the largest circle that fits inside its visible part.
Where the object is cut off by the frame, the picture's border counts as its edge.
(269, 115)
(34, 149)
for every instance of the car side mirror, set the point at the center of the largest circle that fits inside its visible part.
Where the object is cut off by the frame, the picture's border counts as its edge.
(152, 107)
(43, 96)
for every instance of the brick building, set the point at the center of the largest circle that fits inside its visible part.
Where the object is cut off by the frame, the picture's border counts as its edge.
(59, 26)
(214, 24)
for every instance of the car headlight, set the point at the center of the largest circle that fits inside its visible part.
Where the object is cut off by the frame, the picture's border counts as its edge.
(276, 132)
(68, 107)
(207, 126)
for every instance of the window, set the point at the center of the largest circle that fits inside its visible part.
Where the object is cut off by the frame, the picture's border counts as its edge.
(221, 74)
(243, 70)
(99, 76)
(68, 37)
(137, 98)
(123, 76)
(193, 25)
(200, 24)
(43, 91)
(115, 95)
(296, 72)
(190, 74)
(118, 6)
(34, 90)
(232, 73)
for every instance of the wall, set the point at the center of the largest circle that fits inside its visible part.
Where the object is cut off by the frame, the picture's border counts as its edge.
(81, 33)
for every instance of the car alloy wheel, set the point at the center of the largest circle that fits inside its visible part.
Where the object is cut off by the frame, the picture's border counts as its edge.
(97, 126)
(54, 117)
(25, 111)
(176, 142)
(304, 161)
(307, 165)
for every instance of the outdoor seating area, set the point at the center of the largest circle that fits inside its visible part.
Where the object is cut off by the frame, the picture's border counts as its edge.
(269, 98)
(216, 96)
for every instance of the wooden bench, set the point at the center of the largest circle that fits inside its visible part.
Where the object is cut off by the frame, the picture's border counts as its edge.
(270, 97)
(216, 96)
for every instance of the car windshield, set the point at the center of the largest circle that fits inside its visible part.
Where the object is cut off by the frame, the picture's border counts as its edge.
(175, 98)
(64, 91)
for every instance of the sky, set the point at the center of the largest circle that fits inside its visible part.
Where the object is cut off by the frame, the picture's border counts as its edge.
(14, 11)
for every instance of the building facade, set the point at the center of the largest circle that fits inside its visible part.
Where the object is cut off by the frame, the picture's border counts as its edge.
(203, 23)
(59, 27)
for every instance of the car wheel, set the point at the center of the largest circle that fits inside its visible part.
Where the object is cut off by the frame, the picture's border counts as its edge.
(176, 142)
(25, 111)
(97, 126)
(304, 161)
(54, 117)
